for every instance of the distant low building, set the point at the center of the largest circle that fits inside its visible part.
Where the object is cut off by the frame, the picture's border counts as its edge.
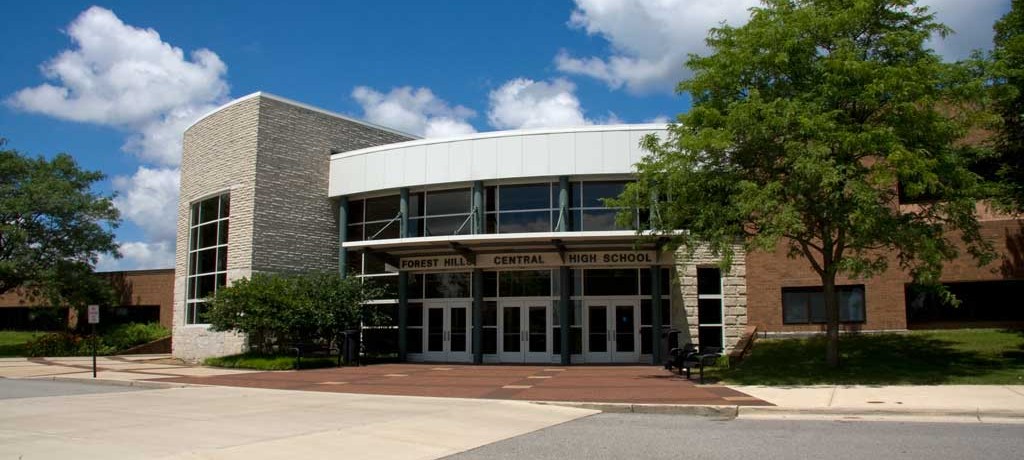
(143, 296)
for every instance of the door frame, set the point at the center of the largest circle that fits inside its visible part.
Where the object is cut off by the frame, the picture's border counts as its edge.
(524, 355)
(610, 355)
(446, 354)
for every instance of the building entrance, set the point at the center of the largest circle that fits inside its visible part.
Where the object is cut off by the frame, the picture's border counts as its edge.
(525, 333)
(612, 331)
(447, 337)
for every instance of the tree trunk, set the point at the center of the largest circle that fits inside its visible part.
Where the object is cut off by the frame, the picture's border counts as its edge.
(828, 283)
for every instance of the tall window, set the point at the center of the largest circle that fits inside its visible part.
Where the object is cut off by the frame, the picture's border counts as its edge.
(587, 209)
(444, 212)
(207, 254)
(521, 208)
(373, 218)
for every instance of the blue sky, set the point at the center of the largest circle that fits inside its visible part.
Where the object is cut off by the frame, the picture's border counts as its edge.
(123, 79)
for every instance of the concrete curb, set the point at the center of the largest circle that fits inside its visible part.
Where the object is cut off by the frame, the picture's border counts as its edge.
(744, 411)
(709, 411)
(119, 383)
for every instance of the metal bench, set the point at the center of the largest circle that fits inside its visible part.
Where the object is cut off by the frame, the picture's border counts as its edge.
(688, 357)
(313, 350)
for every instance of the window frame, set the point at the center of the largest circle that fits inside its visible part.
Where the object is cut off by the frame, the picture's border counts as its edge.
(219, 273)
(821, 290)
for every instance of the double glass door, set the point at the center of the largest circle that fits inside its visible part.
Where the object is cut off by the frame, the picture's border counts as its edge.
(611, 331)
(447, 327)
(525, 333)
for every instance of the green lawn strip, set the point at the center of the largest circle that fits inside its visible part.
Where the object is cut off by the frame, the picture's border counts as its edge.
(12, 343)
(267, 362)
(966, 356)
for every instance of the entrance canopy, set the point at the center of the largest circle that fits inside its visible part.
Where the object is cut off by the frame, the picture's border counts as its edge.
(534, 250)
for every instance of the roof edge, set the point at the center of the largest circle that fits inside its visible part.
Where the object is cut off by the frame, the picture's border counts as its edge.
(285, 100)
(506, 133)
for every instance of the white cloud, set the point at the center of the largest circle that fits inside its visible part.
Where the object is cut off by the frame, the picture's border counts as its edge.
(416, 111)
(523, 103)
(650, 39)
(138, 255)
(127, 77)
(149, 198)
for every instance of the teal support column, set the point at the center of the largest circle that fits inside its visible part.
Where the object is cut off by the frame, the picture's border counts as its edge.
(403, 278)
(403, 315)
(403, 209)
(562, 225)
(478, 208)
(564, 276)
(478, 316)
(564, 306)
(656, 319)
(342, 233)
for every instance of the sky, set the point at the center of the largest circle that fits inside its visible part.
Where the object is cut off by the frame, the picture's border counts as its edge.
(114, 84)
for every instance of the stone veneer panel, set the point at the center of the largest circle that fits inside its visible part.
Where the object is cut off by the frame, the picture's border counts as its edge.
(219, 154)
(296, 225)
(734, 294)
(273, 157)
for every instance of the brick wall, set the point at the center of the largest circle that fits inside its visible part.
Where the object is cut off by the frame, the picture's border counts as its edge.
(768, 273)
(134, 288)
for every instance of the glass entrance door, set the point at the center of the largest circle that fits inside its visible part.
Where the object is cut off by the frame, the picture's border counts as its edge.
(612, 331)
(447, 331)
(525, 332)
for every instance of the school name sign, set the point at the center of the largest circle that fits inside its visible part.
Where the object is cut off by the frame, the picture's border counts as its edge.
(531, 260)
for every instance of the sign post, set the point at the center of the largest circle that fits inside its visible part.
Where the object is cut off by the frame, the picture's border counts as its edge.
(94, 319)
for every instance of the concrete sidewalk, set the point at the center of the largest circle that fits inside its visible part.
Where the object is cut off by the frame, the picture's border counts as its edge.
(958, 403)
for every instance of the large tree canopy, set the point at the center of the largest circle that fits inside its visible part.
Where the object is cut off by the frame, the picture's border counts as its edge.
(53, 226)
(806, 124)
(1008, 76)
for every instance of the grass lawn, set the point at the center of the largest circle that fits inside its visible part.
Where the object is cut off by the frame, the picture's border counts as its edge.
(267, 362)
(966, 356)
(12, 343)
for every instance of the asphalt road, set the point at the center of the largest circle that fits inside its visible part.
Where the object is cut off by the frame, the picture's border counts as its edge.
(23, 388)
(620, 436)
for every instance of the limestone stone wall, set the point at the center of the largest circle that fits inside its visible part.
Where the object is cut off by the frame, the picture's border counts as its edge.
(272, 155)
(296, 224)
(218, 155)
(734, 295)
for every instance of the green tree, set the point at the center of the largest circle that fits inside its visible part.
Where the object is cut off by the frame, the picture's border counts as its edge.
(53, 226)
(803, 122)
(1008, 78)
(273, 309)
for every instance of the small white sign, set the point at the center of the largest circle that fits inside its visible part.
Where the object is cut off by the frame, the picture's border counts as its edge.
(94, 314)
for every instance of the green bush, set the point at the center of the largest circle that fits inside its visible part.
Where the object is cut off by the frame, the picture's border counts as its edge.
(275, 309)
(267, 362)
(112, 341)
(125, 336)
(64, 344)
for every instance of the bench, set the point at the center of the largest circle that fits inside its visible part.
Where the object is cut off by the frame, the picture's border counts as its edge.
(688, 357)
(313, 350)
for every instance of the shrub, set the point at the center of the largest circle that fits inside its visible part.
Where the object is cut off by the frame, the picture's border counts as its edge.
(112, 341)
(274, 309)
(266, 362)
(125, 336)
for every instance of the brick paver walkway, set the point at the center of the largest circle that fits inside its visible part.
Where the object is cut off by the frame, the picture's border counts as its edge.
(619, 384)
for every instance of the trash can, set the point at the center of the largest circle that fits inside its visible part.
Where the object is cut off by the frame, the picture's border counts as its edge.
(669, 340)
(350, 346)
